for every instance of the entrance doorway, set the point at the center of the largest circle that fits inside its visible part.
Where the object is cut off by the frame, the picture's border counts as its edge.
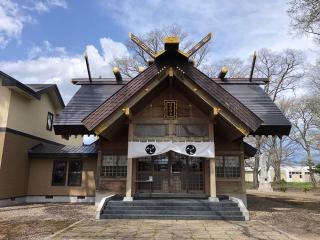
(170, 173)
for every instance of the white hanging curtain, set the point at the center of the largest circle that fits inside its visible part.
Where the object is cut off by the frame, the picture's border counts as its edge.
(193, 149)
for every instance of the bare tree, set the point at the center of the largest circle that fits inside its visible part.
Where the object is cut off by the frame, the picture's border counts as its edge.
(283, 69)
(129, 66)
(236, 68)
(313, 75)
(279, 149)
(304, 130)
(305, 17)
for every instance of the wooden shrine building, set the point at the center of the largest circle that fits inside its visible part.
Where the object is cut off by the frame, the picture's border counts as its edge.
(171, 131)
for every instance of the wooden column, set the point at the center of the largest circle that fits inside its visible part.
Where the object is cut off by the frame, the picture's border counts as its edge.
(213, 188)
(98, 171)
(128, 196)
(212, 170)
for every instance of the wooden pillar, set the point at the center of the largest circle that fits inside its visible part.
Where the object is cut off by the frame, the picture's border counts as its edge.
(242, 169)
(128, 196)
(213, 187)
(98, 170)
(212, 170)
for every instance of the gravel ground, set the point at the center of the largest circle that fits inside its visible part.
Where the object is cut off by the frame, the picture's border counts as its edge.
(295, 214)
(37, 221)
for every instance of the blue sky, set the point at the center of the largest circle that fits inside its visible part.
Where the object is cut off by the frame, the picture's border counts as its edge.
(44, 41)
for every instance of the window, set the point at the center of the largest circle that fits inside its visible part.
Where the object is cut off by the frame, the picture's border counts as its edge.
(59, 173)
(114, 166)
(151, 130)
(219, 166)
(228, 166)
(49, 121)
(191, 130)
(75, 173)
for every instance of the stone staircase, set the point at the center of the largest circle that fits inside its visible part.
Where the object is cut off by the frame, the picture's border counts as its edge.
(172, 209)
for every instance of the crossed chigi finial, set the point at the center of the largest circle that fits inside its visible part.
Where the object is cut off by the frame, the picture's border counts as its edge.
(171, 39)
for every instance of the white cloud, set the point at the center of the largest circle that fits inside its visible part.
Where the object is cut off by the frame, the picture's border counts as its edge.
(59, 69)
(239, 26)
(11, 21)
(46, 50)
(14, 16)
(113, 49)
(45, 6)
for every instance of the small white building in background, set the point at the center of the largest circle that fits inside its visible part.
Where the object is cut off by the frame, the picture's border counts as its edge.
(289, 172)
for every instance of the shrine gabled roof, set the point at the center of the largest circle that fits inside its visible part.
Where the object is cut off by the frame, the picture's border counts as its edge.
(82, 116)
(213, 89)
(90, 96)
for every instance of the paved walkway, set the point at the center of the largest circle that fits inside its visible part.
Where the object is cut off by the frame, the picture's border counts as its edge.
(170, 229)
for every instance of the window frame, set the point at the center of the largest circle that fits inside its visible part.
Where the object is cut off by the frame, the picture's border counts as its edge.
(142, 127)
(224, 167)
(49, 128)
(182, 129)
(118, 173)
(80, 173)
(64, 174)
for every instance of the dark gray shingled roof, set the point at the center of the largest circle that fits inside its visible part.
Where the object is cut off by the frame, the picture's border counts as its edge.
(89, 97)
(86, 99)
(254, 98)
(48, 150)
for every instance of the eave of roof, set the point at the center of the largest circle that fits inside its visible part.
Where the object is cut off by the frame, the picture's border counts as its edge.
(32, 90)
(49, 151)
(115, 101)
(10, 82)
(46, 88)
(249, 151)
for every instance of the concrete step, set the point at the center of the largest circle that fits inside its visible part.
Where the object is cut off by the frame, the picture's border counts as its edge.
(171, 216)
(184, 207)
(173, 212)
(171, 203)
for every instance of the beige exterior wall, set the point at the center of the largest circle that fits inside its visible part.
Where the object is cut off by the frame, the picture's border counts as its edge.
(5, 95)
(21, 114)
(14, 168)
(41, 177)
(2, 137)
(30, 116)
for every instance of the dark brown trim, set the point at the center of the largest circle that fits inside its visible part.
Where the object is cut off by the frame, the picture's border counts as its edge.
(10, 130)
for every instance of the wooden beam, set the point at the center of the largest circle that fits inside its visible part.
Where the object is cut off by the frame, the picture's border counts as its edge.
(199, 45)
(253, 65)
(142, 45)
